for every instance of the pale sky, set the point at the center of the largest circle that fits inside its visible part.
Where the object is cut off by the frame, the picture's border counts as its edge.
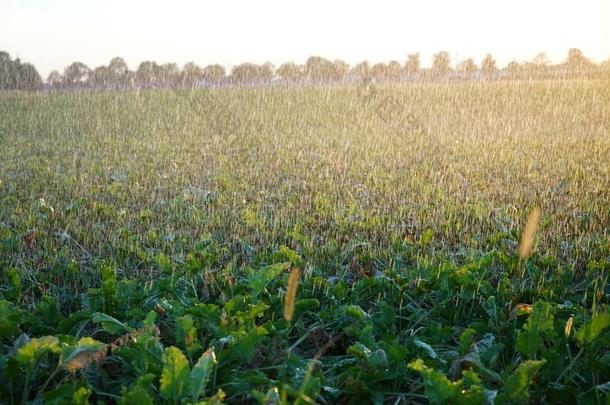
(53, 33)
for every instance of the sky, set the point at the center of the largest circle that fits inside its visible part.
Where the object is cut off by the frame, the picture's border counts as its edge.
(53, 33)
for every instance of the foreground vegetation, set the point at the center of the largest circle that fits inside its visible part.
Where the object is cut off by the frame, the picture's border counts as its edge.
(147, 240)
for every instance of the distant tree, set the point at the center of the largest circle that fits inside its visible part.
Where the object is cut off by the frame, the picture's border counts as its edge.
(265, 72)
(148, 74)
(441, 64)
(244, 73)
(290, 72)
(7, 72)
(605, 68)
(100, 77)
(29, 78)
(541, 60)
(394, 70)
(467, 66)
(76, 73)
(214, 73)
(54, 80)
(577, 63)
(118, 71)
(379, 71)
(514, 69)
(319, 69)
(169, 74)
(15, 75)
(362, 71)
(269, 67)
(191, 75)
(488, 66)
(538, 67)
(341, 69)
(250, 73)
(118, 66)
(314, 68)
(412, 66)
(130, 79)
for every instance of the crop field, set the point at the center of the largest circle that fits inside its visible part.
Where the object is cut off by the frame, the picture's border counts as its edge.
(405, 243)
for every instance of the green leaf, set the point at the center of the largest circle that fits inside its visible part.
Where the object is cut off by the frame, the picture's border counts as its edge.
(110, 324)
(259, 280)
(13, 285)
(473, 361)
(175, 374)
(473, 391)
(109, 287)
(359, 350)
(81, 396)
(201, 374)
(438, 388)
(367, 337)
(538, 326)
(29, 353)
(217, 399)
(378, 359)
(426, 347)
(244, 348)
(354, 311)
(75, 356)
(151, 317)
(136, 395)
(285, 254)
(186, 333)
(528, 342)
(63, 394)
(144, 380)
(254, 311)
(491, 308)
(9, 320)
(466, 339)
(304, 305)
(516, 389)
(72, 322)
(427, 237)
(138, 391)
(592, 329)
(541, 318)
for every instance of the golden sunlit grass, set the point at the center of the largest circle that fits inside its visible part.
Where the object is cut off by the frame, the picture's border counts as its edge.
(291, 293)
(568, 327)
(529, 232)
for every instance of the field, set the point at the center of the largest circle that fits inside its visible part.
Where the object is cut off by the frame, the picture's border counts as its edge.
(147, 240)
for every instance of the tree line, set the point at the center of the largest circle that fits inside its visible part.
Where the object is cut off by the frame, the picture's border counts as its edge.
(15, 75)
